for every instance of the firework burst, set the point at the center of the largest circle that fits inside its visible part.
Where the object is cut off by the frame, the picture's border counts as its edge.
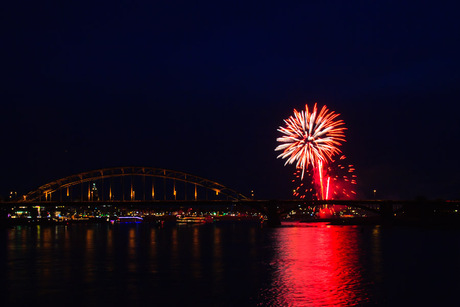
(342, 181)
(311, 137)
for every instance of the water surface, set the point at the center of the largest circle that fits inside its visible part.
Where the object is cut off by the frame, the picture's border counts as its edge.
(229, 265)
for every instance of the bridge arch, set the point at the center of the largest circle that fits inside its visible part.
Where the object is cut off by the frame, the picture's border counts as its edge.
(47, 192)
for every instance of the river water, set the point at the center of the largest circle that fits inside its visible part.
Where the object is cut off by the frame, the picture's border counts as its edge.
(229, 265)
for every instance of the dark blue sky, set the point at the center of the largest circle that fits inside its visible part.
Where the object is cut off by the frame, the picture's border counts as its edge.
(202, 88)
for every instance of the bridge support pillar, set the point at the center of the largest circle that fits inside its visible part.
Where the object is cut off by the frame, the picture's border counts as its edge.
(273, 215)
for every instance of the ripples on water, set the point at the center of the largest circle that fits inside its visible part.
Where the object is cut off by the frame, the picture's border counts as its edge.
(228, 265)
(317, 266)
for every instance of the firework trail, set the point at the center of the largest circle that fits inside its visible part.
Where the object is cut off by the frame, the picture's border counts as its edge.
(341, 183)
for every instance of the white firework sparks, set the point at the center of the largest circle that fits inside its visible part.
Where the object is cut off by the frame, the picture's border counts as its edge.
(310, 137)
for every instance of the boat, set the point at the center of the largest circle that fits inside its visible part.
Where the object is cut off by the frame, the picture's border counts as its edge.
(194, 219)
(129, 219)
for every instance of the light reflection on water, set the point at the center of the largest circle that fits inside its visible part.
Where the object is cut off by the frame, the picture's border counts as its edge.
(228, 265)
(316, 266)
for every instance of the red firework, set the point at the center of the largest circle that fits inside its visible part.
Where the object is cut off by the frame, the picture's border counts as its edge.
(337, 181)
(311, 137)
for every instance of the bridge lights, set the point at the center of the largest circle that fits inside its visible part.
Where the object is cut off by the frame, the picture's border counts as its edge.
(174, 189)
(133, 195)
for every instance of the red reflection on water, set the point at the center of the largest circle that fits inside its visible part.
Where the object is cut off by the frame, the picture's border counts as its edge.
(317, 266)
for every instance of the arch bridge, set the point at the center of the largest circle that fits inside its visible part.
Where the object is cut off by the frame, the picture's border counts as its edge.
(132, 184)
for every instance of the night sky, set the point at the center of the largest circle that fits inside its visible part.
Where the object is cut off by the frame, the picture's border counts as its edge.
(202, 88)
